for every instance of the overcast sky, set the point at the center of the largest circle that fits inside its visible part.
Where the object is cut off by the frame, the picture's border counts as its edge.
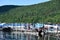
(20, 2)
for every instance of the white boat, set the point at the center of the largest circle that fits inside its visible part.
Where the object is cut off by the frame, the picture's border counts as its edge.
(51, 28)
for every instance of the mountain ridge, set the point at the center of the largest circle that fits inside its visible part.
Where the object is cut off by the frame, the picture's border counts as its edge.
(43, 12)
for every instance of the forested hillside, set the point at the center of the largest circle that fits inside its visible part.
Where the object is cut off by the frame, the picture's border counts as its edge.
(42, 12)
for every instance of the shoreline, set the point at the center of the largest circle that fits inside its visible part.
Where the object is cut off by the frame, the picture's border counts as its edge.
(31, 33)
(23, 32)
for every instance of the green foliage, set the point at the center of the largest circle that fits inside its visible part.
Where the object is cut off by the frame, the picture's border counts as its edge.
(43, 12)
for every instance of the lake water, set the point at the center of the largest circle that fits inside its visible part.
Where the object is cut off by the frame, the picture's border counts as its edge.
(21, 36)
(16, 36)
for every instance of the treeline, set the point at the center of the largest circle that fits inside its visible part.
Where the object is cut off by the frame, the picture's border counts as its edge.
(43, 12)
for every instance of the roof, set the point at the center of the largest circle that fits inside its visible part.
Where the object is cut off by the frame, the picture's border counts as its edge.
(38, 25)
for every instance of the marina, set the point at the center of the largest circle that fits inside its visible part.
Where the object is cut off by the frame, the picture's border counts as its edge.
(29, 32)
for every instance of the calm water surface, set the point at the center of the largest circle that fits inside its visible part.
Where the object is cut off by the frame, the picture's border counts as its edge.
(16, 36)
(21, 36)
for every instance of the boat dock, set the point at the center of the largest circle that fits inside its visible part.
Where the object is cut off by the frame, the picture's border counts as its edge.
(31, 33)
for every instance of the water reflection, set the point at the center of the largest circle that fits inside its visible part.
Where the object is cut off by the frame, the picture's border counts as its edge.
(16, 36)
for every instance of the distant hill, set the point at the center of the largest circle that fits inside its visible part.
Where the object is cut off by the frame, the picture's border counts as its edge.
(7, 8)
(42, 12)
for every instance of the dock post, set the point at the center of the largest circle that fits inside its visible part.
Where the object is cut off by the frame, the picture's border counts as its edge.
(57, 34)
